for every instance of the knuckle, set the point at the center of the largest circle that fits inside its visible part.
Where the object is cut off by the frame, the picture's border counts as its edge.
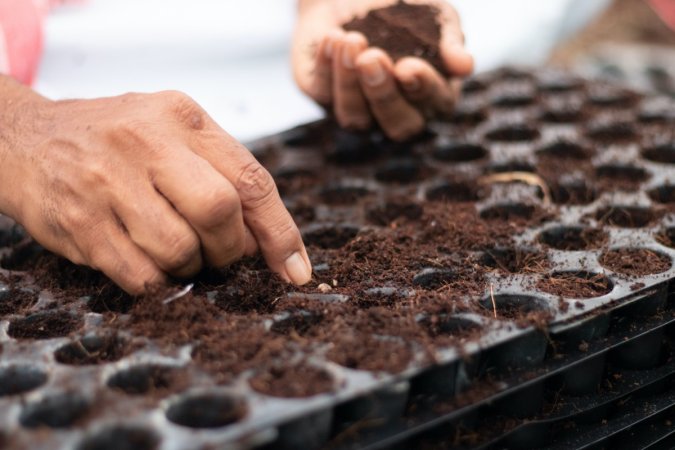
(406, 130)
(255, 184)
(354, 121)
(181, 250)
(185, 109)
(218, 208)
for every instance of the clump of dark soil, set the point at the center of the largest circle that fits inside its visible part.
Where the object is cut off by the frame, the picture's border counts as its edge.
(635, 261)
(292, 381)
(402, 30)
(575, 284)
(17, 301)
(44, 325)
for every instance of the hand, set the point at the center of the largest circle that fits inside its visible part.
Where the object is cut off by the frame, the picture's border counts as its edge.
(141, 186)
(363, 85)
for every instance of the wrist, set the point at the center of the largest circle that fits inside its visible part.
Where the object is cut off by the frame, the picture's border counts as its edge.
(23, 121)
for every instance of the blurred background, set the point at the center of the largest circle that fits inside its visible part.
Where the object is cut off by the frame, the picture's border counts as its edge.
(233, 56)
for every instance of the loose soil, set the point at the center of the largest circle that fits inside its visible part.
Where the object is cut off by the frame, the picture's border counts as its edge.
(403, 30)
(575, 285)
(295, 381)
(635, 261)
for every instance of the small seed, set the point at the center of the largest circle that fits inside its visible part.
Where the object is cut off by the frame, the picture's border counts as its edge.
(323, 287)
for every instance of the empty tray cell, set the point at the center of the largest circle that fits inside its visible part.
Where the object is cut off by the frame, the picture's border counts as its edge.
(207, 410)
(44, 325)
(513, 133)
(93, 349)
(557, 111)
(401, 171)
(145, 378)
(434, 278)
(610, 96)
(576, 285)
(626, 216)
(454, 151)
(20, 378)
(120, 437)
(564, 149)
(662, 153)
(329, 235)
(573, 238)
(573, 192)
(611, 132)
(456, 191)
(620, 175)
(55, 411)
(663, 194)
(635, 261)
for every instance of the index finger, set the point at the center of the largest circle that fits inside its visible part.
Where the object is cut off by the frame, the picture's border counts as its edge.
(265, 214)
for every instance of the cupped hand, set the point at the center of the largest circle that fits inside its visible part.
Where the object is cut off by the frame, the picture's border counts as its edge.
(143, 186)
(361, 84)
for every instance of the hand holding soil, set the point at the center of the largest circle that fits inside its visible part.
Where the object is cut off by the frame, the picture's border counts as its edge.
(369, 76)
(139, 186)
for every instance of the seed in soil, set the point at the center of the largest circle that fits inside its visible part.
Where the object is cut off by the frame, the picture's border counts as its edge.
(508, 211)
(564, 149)
(625, 216)
(121, 437)
(207, 411)
(577, 285)
(16, 301)
(92, 349)
(453, 151)
(514, 260)
(663, 194)
(329, 235)
(573, 238)
(635, 261)
(44, 325)
(54, 411)
(141, 379)
(292, 381)
(456, 191)
(664, 153)
(21, 378)
(513, 133)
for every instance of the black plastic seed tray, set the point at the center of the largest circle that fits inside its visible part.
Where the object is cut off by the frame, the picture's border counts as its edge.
(562, 277)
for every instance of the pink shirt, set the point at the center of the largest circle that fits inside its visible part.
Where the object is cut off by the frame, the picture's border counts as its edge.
(21, 23)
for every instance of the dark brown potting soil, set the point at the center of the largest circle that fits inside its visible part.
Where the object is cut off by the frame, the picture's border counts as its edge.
(293, 381)
(575, 285)
(17, 301)
(635, 261)
(402, 30)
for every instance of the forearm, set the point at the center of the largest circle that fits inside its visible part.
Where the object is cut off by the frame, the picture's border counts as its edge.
(22, 113)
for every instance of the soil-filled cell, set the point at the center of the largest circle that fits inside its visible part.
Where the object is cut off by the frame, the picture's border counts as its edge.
(93, 349)
(207, 411)
(626, 216)
(329, 235)
(55, 411)
(121, 437)
(144, 378)
(663, 194)
(605, 96)
(574, 238)
(664, 153)
(343, 194)
(20, 378)
(296, 322)
(400, 171)
(44, 325)
(513, 133)
(459, 151)
(456, 191)
(635, 261)
(508, 211)
(514, 100)
(434, 278)
(448, 325)
(293, 381)
(514, 260)
(383, 213)
(517, 307)
(613, 132)
(371, 353)
(16, 301)
(577, 285)
(577, 192)
(622, 174)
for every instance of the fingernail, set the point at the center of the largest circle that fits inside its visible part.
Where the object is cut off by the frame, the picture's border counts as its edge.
(297, 269)
(349, 53)
(373, 73)
(412, 84)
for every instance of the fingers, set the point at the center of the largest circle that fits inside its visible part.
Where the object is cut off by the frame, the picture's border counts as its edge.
(350, 106)
(321, 88)
(397, 117)
(424, 86)
(208, 202)
(455, 56)
(111, 251)
(157, 229)
(264, 213)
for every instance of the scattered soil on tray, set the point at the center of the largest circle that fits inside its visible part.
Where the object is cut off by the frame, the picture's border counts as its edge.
(292, 381)
(403, 30)
(575, 285)
(17, 301)
(635, 261)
